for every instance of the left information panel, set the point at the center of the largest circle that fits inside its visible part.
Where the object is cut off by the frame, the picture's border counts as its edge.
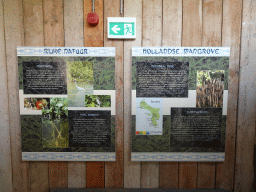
(67, 103)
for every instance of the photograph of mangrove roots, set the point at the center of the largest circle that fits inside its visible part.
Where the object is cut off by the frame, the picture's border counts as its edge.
(210, 87)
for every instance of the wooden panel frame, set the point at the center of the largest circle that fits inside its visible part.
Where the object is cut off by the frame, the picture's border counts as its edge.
(14, 36)
(5, 144)
(231, 31)
(114, 171)
(132, 170)
(244, 169)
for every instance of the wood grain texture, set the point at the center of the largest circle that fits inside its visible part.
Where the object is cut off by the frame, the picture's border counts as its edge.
(14, 36)
(114, 170)
(192, 23)
(191, 37)
(74, 37)
(76, 175)
(169, 175)
(93, 35)
(187, 175)
(151, 37)
(152, 23)
(244, 169)
(39, 180)
(58, 175)
(5, 143)
(73, 23)
(132, 170)
(53, 23)
(33, 23)
(95, 174)
(231, 31)
(54, 36)
(172, 16)
(206, 175)
(34, 36)
(212, 20)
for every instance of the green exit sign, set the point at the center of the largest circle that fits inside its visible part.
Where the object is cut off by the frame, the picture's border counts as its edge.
(122, 27)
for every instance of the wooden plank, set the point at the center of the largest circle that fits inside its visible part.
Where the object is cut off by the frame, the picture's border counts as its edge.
(132, 170)
(58, 174)
(54, 36)
(192, 23)
(34, 36)
(39, 176)
(5, 143)
(53, 23)
(244, 169)
(33, 22)
(95, 173)
(187, 175)
(212, 20)
(231, 30)
(114, 170)
(172, 16)
(73, 23)
(76, 175)
(93, 35)
(14, 36)
(191, 37)
(169, 175)
(74, 37)
(151, 36)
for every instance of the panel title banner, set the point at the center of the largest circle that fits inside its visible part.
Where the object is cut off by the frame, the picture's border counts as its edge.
(181, 51)
(66, 51)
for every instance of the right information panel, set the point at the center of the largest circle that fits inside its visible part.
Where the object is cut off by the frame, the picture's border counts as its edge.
(179, 103)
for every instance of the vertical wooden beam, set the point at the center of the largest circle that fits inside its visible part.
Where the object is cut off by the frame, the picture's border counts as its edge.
(231, 30)
(53, 23)
(74, 37)
(191, 37)
(132, 170)
(93, 37)
(34, 36)
(172, 16)
(5, 144)
(244, 169)
(54, 37)
(95, 174)
(212, 20)
(114, 170)
(14, 36)
(151, 36)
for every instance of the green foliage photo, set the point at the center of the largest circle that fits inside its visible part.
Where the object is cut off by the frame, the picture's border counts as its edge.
(80, 71)
(97, 100)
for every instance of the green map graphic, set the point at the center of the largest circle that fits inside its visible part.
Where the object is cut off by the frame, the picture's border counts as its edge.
(154, 112)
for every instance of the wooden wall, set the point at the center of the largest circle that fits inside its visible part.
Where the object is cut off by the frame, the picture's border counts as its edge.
(229, 23)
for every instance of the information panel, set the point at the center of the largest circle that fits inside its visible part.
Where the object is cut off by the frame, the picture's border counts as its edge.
(179, 103)
(67, 103)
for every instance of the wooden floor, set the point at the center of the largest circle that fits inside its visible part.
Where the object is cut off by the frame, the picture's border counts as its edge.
(223, 23)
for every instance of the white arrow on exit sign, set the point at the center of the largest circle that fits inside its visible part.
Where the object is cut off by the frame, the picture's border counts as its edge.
(115, 29)
(122, 27)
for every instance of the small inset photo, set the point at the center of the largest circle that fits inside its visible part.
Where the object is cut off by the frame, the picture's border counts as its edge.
(55, 124)
(97, 100)
(210, 87)
(37, 103)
